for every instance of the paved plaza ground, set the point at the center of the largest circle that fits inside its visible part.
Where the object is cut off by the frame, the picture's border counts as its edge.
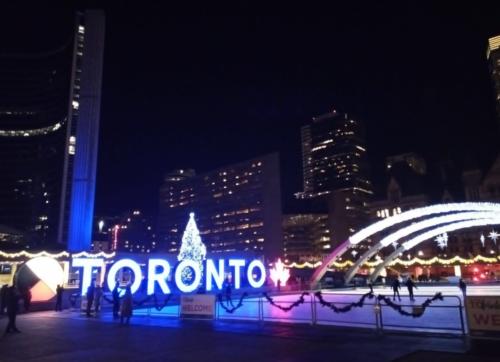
(68, 336)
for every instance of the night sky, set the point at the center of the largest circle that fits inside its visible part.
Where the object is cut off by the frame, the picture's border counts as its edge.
(205, 91)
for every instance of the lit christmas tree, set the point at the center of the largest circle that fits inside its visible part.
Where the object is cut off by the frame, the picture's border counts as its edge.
(192, 248)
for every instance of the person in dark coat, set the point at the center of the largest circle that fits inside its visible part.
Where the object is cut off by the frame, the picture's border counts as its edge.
(116, 301)
(462, 286)
(12, 308)
(395, 288)
(97, 298)
(410, 284)
(3, 298)
(228, 292)
(127, 306)
(27, 300)
(59, 294)
(90, 297)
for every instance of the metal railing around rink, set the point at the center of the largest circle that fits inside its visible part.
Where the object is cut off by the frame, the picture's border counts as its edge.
(438, 317)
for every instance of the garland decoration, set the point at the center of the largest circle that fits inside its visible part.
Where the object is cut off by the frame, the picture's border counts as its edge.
(73, 298)
(145, 300)
(107, 299)
(159, 308)
(416, 314)
(231, 310)
(347, 307)
(298, 302)
(141, 302)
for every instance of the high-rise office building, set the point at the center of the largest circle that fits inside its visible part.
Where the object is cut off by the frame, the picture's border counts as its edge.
(305, 237)
(237, 207)
(493, 56)
(132, 233)
(335, 169)
(49, 123)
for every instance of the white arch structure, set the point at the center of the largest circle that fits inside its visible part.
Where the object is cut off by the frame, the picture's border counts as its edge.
(457, 216)
(430, 234)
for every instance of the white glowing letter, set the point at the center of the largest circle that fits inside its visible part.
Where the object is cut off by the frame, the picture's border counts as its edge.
(125, 263)
(161, 278)
(87, 264)
(237, 264)
(259, 265)
(212, 273)
(187, 263)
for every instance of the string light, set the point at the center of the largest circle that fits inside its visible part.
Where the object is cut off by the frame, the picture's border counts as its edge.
(192, 248)
(416, 260)
(62, 254)
(34, 255)
(449, 228)
(418, 213)
(101, 254)
(411, 215)
(393, 238)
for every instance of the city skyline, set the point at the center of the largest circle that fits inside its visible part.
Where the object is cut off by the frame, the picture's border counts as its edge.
(206, 97)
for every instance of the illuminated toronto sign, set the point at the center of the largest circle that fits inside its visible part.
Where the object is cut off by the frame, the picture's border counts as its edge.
(160, 274)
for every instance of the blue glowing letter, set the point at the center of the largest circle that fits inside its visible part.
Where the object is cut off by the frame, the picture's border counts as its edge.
(87, 265)
(260, 282)
(161, 278)
(212, 273)
(237, 264)
(125, 263)
(196, 272)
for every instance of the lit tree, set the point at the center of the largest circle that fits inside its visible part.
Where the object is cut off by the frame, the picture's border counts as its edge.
(192, 248)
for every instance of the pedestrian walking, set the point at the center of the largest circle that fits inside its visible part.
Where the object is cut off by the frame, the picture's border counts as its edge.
(59, 294)
(395, 288)
(12, 308)
(116, 302)
(97, 298)
(90, 297)
(126, 311)
(463, 287)
(410, 284)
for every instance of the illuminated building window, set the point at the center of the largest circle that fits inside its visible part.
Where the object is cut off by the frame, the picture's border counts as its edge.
(72, 145)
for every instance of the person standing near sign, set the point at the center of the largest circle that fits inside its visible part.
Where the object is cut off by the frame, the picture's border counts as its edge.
(97, 298)
(228, 288)
(12, 308)
(463, 287)
(126, 311)
(27, 300)
(90, 297)
(116, 302)
(59, 294)
(3, 298)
